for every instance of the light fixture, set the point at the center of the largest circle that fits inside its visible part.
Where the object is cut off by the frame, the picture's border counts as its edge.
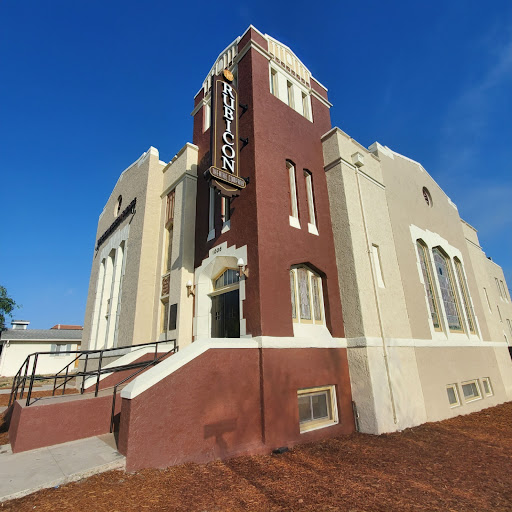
(191, 289)
(242, 270)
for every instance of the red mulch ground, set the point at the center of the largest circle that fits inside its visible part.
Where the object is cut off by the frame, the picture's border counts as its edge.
(463, 464)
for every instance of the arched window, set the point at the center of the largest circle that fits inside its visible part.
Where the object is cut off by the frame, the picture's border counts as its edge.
(294, 206)
(310, 198)
(447, 285)
(429, 285)
(306, 296)
(465, 295)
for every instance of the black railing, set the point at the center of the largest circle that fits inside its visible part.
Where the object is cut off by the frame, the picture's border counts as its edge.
(61, 378)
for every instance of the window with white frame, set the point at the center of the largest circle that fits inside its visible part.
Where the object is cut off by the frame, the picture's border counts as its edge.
(294, 94)
(211, 214)
(310, 198)
(306, 295)
(498, 286)
(465, 295)
(488, 301)
(58, 349)
(294, 207)
(453, 395)
(504, 290)
(429, 285)
(377, 266)
(289, 94)
(486, 382)
(448, 294)
(305, 106)
(471, 391)
(207, 115)
(273, 82)
(317, 408)
(499, 313)
(509, 326)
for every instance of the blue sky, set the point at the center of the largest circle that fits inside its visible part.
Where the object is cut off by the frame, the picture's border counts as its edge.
(86, 87)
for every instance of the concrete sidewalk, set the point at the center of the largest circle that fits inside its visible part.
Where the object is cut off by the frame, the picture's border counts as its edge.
(27, 472)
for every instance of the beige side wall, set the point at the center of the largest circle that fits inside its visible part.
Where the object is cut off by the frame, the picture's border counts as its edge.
(133, 183)
(497, 304)
(440, 366)
(360, 219)
(149, 260)
(409, 214)
(181, 175)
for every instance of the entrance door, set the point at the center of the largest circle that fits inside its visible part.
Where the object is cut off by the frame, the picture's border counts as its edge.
(226, 315)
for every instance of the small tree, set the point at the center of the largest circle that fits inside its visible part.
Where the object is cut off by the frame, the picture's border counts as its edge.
(6, 306)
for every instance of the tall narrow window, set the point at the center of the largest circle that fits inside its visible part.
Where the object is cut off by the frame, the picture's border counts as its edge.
(169, 225)
(499, 312)
(377, 265)
(504, 291)
(207, 116)
(509, 326)
(293, 289)
(169, 216)
(211, 215)
(164, 324)
(294, 208)
(305, 106)
(447, 286)
(498, 286)
(168, 248)
(289, 88)
(225, 209)
(273, 81)
(465, 295)
(309, 194)
(488, 301)
(429, 286)
(306, 296)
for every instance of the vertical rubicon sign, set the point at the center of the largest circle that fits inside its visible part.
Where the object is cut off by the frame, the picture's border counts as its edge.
(224, 173)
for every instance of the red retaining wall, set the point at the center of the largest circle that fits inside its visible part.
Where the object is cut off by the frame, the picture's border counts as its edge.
(229, 402)
(46, 423)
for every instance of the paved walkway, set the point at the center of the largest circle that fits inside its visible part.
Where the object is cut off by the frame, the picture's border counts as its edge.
(27, 472)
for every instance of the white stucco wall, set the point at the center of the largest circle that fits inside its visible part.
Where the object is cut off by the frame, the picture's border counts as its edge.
(14, 355)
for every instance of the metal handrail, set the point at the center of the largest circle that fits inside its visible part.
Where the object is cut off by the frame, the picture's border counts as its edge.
(151, 363)
(20, 381)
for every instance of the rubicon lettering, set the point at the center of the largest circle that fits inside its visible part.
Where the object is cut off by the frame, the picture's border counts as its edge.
(224, 171)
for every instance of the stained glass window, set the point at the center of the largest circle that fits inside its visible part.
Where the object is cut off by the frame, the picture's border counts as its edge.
(429, 288)
(465, 294)
(447, 290)
(304, 304)
(315, 291)
(306, 295)
(292, 291)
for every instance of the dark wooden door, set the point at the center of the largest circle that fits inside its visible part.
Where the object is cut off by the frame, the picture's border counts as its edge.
(226, 315)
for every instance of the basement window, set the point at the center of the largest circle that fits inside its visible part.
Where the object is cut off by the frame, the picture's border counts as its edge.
(317, 408)
(486, 381)
(471, 391)
(453, 395)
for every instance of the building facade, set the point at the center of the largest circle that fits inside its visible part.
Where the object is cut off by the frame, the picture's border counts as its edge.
(314, 286)
(421, 301)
